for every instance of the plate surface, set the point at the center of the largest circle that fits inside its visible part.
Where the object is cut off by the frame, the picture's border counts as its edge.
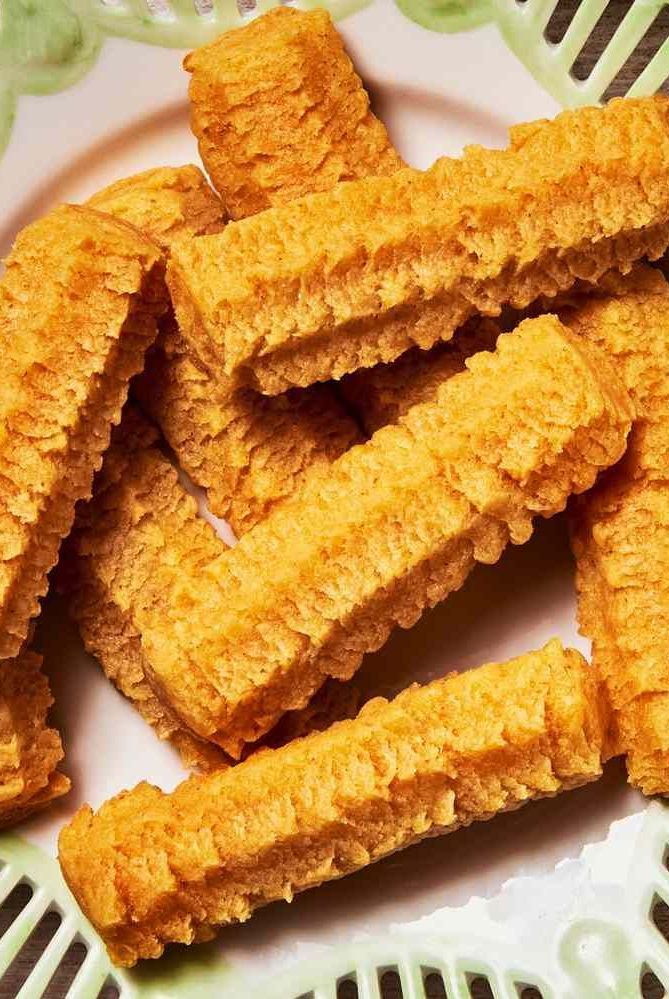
(436, 92)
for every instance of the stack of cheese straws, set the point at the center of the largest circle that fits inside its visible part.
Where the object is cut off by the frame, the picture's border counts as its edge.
(380, 377)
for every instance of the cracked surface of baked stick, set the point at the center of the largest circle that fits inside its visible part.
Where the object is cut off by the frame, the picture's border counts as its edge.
(141, 522)
(279, 111)
(620, 530)
(246, 450)
(234, 642)
(381, 395)
(29, 751)
(353, 277)
(150, 868)
(79, 302)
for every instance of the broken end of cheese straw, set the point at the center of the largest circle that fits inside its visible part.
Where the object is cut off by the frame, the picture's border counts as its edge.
(279, 111)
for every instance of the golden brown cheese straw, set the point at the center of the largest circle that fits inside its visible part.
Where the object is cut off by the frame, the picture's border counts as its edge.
(78, 306)
(29, 750)
(247, 451)
(347, 279)
(279, 111)
(383, 394)
(621, 530)
(151, 868)
(396, 524)
(140, 525)
(169, 525)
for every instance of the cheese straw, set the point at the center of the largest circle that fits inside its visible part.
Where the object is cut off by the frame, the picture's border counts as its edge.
(79, 301)
(247, 451)
(279, 111)
(29, 750)
(355, 276)
(151, 868)
(620, 530)
(233, 642)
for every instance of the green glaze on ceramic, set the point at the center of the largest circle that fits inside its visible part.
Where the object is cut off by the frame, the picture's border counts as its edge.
(44, 46)
(597, 938)
(188, 974)
(185, 974)
(447, 15)
(48, 45)
(598, 956)
(523, 27)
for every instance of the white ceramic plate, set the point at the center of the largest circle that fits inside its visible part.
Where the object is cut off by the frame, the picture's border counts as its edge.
(436, 92)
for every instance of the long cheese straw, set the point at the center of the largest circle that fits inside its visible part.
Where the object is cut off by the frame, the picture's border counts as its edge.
(151, 868)
(346, 279)
(620, 529)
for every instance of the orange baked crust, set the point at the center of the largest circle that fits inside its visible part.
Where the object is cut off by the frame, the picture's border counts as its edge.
(151, 868)
(79, 302)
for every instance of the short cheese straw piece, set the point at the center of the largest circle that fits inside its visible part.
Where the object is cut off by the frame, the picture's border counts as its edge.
(247, 451)
(383, 394)
(279, 111)
(393, 527)
(29, 750)
(353, 277)
(621, 530)
(151, 868)
(79, 301)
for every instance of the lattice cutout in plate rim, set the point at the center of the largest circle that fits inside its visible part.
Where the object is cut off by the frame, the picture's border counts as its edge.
(602, 921)
(188, 23)
(525, 27)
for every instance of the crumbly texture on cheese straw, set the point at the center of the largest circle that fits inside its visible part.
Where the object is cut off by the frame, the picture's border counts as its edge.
(247, 451)
(30, 751)
(353, 277)
(79, 302)
(158, 519)
(150, 868)
(383, 394)
(620, 530)
(279, 111)
(393, 527)
(140, 527)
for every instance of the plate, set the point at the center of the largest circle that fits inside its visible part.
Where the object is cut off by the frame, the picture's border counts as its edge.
(436, 92)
